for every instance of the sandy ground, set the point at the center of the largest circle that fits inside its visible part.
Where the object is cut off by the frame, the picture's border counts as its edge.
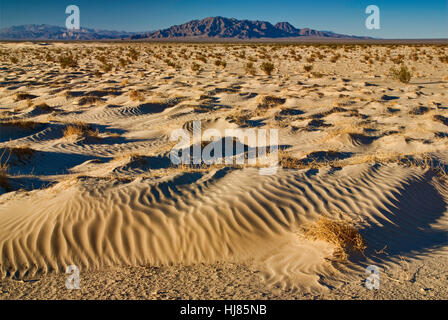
(86, 177)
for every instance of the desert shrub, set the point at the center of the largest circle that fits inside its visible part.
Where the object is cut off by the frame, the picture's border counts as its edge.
(220, 63)
(443, 59)
(267, 68)
(49, 58)
(122, 62)
(133, 54)
(68, 62)
(308, 67)
(170, 63)
(195, 67)
(106, 67)
(403, 74)
(250, 69)
(201, 58)
(101, 59)
(335, 58)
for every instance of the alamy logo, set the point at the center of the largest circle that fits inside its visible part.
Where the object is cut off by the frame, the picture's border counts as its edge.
(373, 280)
(73, 20)
(72, 281)
(211, 147)
(373, 21)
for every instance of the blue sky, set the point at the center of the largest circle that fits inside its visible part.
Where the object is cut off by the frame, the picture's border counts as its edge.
(399, 19)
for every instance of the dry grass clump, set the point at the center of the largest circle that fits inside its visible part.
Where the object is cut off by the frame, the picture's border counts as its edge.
(22, 124)
(288, 162)
(323, 114)
(3, 171)
(171, 64)
(91, 100)
(73, 131)
(241, 117)
(341, 234)
(136, 95)
(267, 102)
(131, 157)
(80, 129)
(22, 153)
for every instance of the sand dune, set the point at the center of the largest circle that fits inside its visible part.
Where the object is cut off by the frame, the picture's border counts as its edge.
(356, 147)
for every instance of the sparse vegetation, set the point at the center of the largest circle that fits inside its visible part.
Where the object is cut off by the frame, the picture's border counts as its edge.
(22, 124)
(44, 107)
(89, 99)
(136, 95)
(22, 153)
(267, 68)
(345, 237)
(80, 129)
(403, 74)
(250, 69)
(4, 183)
(195, 67)
(68, 62)
(308, 68)
(24, 96)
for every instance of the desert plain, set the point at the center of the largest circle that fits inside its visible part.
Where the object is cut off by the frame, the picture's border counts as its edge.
(86, 177)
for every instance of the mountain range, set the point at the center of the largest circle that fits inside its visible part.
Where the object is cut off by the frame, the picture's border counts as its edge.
(48, 32)
(208, 28)
(220, 27)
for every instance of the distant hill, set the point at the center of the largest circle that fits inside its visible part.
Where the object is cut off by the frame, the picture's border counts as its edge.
(48, 32)
(208, 28)
(220, 27)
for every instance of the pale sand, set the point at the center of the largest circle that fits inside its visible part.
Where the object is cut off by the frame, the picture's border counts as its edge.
(138, 227)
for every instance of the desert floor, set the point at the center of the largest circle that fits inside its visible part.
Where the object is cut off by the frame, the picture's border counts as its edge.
(86, 178)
